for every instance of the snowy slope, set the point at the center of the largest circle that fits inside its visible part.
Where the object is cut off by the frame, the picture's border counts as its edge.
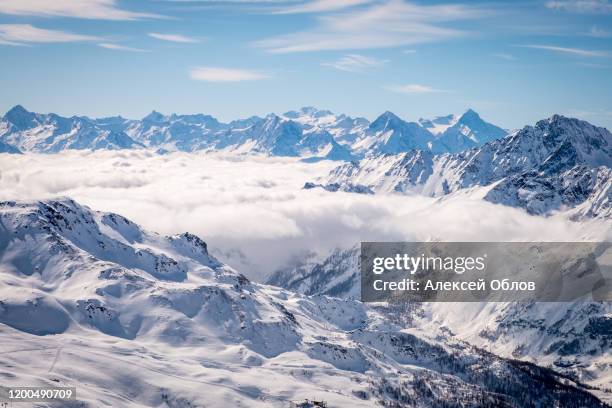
(464, 132)
(389, 134)
(335, 275)
(574, 338)
(136, 319)
(558, 164)
(7, 148)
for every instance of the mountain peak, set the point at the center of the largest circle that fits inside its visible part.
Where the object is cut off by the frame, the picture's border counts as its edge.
(154, 116)
(558, 120)
(470, 115)
(307, 111)
(17, 109)
(20, 117)
(389, 116)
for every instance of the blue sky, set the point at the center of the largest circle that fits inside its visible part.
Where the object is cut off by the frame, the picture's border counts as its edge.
(514, 62)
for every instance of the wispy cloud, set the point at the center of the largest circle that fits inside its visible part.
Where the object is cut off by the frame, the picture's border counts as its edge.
(119, 47)
(355, 63)
(567, 50)
(390, 24)
(179, 38)
(409, 51)
(506, 57)
(216, 74)
(22, 34)
(598, 32)
(581, 6)
(412, 89)
(89, 9)
(318, 6)
(592, 65)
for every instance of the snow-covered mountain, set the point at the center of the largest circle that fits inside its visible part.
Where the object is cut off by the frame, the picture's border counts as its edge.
(308, 133)
(558, 164)
(336, 275)
(456, 133)
(136, 319)
(574, 338)
(389, 134)
(51, 133)
(7, 148)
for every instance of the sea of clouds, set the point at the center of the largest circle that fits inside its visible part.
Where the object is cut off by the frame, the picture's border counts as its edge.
(253, 211)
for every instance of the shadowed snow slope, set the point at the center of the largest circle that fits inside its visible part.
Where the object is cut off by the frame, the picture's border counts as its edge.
(136, 319)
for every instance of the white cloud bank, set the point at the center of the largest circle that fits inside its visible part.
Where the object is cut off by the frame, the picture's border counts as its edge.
(255, 207)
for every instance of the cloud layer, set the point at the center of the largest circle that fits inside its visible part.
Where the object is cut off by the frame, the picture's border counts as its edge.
(253, 210)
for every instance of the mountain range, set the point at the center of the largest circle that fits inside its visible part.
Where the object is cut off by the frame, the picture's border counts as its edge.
(560, 164)
(308, 133)
(139, 319)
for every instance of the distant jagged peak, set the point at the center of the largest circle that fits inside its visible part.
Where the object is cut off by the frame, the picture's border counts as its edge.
(440, 123)
(20, 117)
(561, 121)
(387, 120)
(309, 111)
(154, 116)
(17, 110)
(470, 114)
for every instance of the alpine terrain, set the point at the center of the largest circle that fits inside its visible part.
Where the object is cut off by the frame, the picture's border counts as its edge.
(134, 319)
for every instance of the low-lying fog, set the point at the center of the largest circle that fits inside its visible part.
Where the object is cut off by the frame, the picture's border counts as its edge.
(253, 211)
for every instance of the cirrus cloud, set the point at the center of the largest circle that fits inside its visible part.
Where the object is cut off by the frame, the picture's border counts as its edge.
(581, 6)
(389, 24)
(412, 89)
(88, 9)
(119, 47)
(23, 34)
(568, 50)
(179, 38)
(355, 63)
(318, 6)
(217, 74)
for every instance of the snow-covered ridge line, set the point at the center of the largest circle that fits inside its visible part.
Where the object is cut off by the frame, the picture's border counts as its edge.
(179, 328)
(560, 164)
(571, 337)
(308, 133)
